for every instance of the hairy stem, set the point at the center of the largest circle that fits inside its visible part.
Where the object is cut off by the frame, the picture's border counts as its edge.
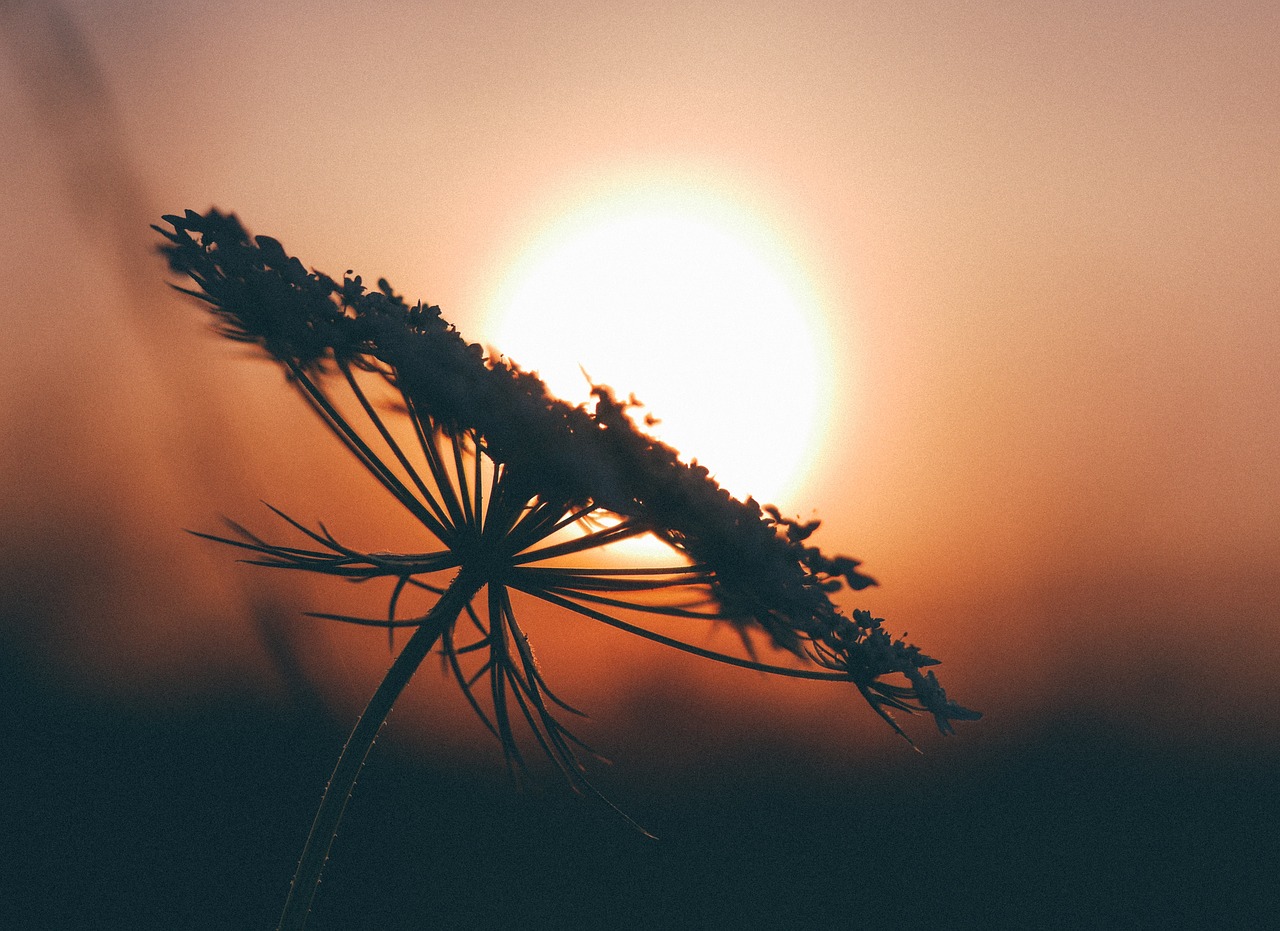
(306, 881)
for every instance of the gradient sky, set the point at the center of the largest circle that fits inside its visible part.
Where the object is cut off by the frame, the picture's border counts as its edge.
(1045, 236)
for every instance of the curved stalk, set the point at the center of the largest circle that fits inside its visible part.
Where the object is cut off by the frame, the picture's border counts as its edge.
(306, 881)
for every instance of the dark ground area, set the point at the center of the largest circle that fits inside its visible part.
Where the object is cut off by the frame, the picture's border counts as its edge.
(188, 820)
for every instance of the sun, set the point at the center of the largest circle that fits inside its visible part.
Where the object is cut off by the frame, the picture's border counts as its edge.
(693, 304)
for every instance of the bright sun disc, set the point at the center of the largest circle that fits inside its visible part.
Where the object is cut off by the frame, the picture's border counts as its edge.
(690, 304)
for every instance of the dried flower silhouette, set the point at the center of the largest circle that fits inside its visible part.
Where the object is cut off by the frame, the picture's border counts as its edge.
(519, 490)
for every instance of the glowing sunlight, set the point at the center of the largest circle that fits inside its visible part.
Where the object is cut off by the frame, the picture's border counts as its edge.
(697, 307)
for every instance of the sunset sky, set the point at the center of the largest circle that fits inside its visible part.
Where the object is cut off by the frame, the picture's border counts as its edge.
(1040, 241)
(993, 289)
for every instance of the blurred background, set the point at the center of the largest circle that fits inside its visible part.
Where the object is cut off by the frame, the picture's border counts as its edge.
(1044, 246)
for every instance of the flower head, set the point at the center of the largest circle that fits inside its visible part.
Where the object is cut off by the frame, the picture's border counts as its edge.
(502, 471)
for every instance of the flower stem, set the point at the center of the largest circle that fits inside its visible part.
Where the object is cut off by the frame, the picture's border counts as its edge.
(306, 881)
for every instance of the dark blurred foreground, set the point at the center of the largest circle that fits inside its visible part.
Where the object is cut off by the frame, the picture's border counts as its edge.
(193, 819)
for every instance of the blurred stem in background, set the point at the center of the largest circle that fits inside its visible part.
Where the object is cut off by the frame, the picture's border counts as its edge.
(186, 451)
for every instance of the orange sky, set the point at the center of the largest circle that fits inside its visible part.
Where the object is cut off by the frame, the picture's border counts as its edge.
(1046, 234)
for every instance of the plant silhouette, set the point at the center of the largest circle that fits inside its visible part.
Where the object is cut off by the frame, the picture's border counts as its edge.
(519, 491)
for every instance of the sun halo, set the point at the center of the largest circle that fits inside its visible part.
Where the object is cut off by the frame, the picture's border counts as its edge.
(696, 306)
